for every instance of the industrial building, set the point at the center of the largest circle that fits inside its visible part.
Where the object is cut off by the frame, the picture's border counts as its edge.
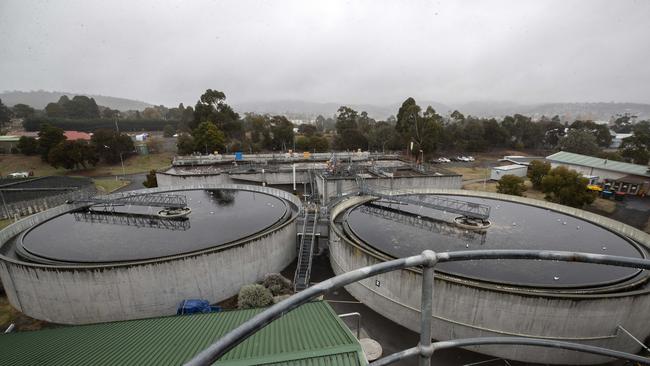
(311, 335)
(622, 177)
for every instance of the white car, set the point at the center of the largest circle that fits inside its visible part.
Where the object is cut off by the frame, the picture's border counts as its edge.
(470, 158)
(443, 160)
(462, 158)
(19, 175)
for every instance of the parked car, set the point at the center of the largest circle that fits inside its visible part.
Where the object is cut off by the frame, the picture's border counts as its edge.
(470, 158)
(19, 175)
(442, 159)
(462, 158)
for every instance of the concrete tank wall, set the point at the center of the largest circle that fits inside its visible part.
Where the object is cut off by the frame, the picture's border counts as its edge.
(335, 187)
(272, 177)
(464, 309)
(166, 180)
(101, 293)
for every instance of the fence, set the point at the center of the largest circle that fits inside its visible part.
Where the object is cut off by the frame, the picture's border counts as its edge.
(29, 207)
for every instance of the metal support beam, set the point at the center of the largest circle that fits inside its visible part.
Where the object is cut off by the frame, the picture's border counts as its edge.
(426, 308)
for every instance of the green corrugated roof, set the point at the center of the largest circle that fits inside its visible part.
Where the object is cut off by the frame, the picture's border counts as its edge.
(310, 335)
(592, 162)
(9, 138)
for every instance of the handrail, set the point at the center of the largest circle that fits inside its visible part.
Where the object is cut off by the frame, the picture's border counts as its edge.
(302, 243)
(313, 237)
(427, 260)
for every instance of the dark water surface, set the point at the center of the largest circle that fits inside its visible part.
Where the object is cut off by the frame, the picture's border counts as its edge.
(217, 218)
(514, 226)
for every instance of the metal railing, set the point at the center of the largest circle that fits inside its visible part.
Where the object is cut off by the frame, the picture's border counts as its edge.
(425, 349)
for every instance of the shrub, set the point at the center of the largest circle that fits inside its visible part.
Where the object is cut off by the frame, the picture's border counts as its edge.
(277, 284)
(511, 184)
(254, 296)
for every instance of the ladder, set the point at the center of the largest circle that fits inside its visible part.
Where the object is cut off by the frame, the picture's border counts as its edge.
(307, 239)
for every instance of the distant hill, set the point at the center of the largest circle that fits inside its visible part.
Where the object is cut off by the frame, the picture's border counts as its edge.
(566, 111)
(40, 98)
(313, 109)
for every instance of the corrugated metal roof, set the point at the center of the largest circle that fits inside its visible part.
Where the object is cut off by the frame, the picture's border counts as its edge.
(592, 162)
(310, 335)
(9, 138)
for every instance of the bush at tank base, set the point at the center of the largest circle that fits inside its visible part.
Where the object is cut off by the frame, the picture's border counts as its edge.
(254, 296)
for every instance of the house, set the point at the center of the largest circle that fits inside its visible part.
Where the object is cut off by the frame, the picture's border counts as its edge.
(617, 139)
(620, 176)
(77, 135)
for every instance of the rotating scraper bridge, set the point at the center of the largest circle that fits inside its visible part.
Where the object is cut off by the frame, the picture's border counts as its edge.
(150, 220)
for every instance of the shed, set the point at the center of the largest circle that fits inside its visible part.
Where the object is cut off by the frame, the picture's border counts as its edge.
(310, 335)
(515, 169)
(7, 143)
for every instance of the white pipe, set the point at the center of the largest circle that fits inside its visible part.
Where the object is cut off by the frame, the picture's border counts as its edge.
(294, 177)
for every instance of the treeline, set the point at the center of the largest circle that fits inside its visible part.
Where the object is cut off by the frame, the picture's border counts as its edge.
(93, 124)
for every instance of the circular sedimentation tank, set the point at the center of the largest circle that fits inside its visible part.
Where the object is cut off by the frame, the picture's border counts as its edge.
(575, 302)
(82, 262)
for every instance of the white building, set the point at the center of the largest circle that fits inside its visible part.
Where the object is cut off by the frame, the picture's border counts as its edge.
(515, 169)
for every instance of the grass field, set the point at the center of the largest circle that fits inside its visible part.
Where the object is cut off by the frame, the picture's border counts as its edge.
(470, 173)
(10, 163)
(109, 185)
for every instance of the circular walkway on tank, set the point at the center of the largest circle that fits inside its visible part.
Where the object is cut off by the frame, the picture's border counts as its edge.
(218, 217)
(400, 230)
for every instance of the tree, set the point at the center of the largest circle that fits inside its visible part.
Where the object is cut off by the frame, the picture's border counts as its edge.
(27, 145)
(254, 296)
(566, 187)
(112, 146)
(72, 155)
(580, 142)
(425, 131)
(601, 132)
(348, 135)
(511, 184)
(537, 170)
(307, 129)
(457, 116)
(168, 131)
(48, 137)
(151, 181)
(637, 146)
(154, 145)
(185, 144)
(23, 111)
(208, 138)
(282, 133)
(5, 113)
(211, 107)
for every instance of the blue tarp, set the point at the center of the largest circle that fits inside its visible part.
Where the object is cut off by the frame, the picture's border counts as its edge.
(195, 306)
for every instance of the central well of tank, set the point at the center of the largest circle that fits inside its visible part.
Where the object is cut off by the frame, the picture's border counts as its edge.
(401, 230)
(218, 217)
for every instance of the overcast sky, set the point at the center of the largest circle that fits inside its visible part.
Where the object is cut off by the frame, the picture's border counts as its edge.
(166, 52)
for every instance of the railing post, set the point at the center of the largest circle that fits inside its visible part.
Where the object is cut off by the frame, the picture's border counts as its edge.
(426, 308)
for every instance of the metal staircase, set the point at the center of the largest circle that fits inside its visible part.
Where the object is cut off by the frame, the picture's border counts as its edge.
(307, 239)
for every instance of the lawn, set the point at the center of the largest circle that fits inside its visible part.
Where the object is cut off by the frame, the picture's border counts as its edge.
(109, 185)
(470, 173)
(10, 163)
